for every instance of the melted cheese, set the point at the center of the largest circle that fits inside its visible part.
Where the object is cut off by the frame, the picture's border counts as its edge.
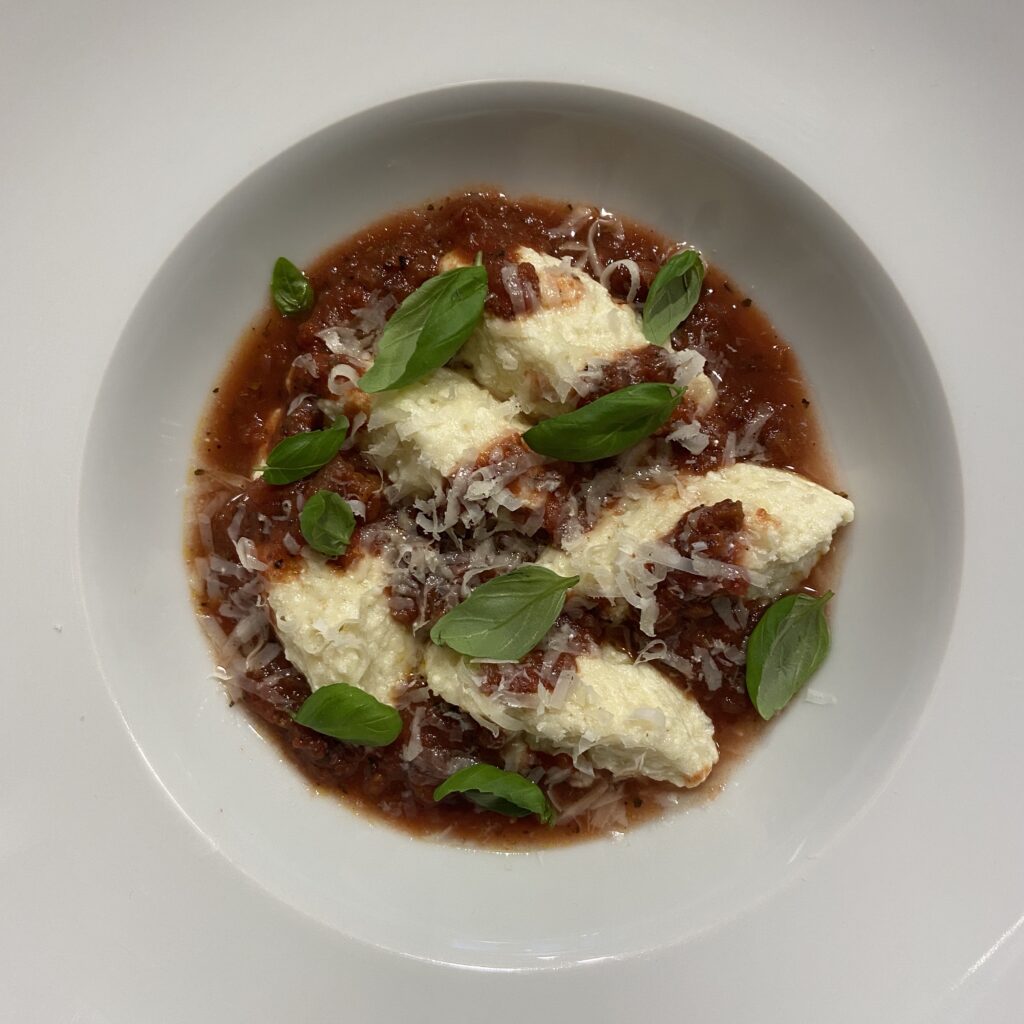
(625, 718)
(542, 356)
(336, 627)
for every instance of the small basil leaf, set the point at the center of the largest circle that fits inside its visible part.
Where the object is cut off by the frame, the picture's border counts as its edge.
(673, 294)
(350, 714)
(506, 617)
(607, 426)
(497, 790)
(786, 648)
(498, 804)
(290, 288)
(428, 328)
(327, 523)
(301, 454)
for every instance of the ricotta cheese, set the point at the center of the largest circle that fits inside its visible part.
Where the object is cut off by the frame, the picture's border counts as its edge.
(336, 627)
(550, 354)
(788, 524)
(421, 435)
(628, 719)
(788, 521)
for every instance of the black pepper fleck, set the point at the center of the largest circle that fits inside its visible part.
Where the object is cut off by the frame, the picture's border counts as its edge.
(747, 302)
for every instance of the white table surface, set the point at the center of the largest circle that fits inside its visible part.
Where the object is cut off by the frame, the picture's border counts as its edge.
(123, 123)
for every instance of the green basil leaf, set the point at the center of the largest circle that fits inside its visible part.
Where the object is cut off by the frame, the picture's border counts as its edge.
(301, 454)
(673, 294)
(786, 648)
(506, 617)
(327, 523)
(428, 328)
(497, 790)
(606, 426)
(290, 288)
(350, 714)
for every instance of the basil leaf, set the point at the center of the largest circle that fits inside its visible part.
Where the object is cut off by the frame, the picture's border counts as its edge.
(786, 648)
(301, 454)
(327, 523)
(673, 294)
(290, 288)
(606, 426)
(497, 790)
(428, 328)
(350, 714)
(506, 617)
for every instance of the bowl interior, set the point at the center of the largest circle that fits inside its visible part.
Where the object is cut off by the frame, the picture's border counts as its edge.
(883, 409)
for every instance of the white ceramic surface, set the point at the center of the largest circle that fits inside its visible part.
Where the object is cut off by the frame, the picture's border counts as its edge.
(122, 130)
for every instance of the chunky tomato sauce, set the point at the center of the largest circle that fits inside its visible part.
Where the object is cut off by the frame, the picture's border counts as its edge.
(271, 389)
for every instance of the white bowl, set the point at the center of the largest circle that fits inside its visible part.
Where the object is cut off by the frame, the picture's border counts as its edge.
(876, 390)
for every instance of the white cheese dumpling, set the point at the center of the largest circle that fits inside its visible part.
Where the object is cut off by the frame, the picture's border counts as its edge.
(336, 627)
(628, 719)
(788, 524)
(547, 356)
(419, 436)
(788, 521)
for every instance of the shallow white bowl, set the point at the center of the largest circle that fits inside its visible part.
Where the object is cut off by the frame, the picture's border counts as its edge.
(877, 392)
